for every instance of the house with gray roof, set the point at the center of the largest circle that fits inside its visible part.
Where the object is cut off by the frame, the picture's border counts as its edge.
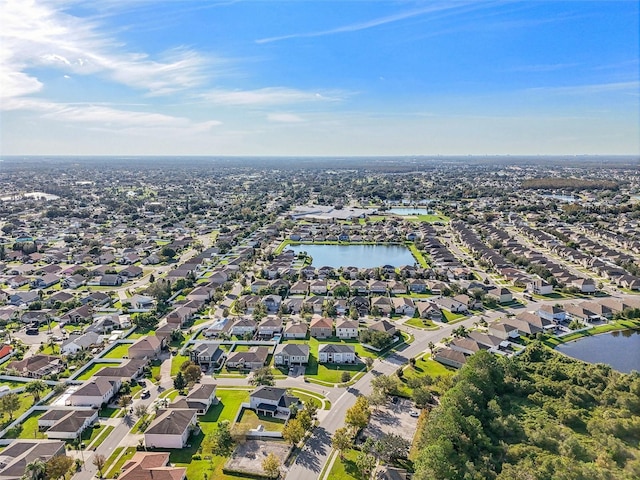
(67, 424)
(272, 401)
(171, 428)
(291, 354)
(336, 353)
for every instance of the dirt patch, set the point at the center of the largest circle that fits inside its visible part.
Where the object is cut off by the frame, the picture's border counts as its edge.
(392, 418)
(248, 456)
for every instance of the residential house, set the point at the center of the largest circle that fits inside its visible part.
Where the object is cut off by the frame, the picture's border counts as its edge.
(130, 370)
(383, 304)
(450, 304)
(74, 281)
(384, 326)
(171, 428)
(272, 303)
(553, 313)
(269, 327)
(321, 327)
(251, 359)
(207, 354)
(75, 343)
(95, 393)
(450, 357)
(417, 285)
(291, 354)
(430, 311)
(19, 453)
(296, 330)
(243, 326)
(299, 288)
(180, 316)
(503, 330)
(67, 424)
(141, 302)
(151, 466)
(110, 280)
(200, 398)
(346, 328)
(539, 286)
(318, 287)
(336, 353)
(37, 366)
(272, 401)
(585, 285)
(500, 294)
(145, 348)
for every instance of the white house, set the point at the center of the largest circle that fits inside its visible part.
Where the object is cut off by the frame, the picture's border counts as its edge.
(67, 424)
(171, 428)
(336, 353)
(75, 343)
(272, 401)
(347, 328)
(95, 393)
(291, 354)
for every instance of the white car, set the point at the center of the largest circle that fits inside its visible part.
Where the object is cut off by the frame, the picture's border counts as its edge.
(414, 414)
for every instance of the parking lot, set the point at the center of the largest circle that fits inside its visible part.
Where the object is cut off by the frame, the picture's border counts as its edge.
(392, 418)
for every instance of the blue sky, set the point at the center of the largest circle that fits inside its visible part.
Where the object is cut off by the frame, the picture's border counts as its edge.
(356, 77)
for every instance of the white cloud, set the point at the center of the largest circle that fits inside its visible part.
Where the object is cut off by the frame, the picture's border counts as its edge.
(40, 34)
(376, 22)
(268, 96)
(284, 118)
(591, 89)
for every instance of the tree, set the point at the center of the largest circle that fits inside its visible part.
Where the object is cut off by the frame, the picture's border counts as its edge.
(99, 461)
(35, 470)
(421, 396)
(293, 431)
(345, 377)
(35, 389)
(221, 440)
(192, 373)
(59, 466)
(385, 383)
(9, 404)
(365, 463)
(271, 465)
(377, 398)
(124, 401)
(368, 361)
(179, 383)
(358, 415)
(342, 440)
(140, 411)
(305, 419)
(391, 447)
(262, 376)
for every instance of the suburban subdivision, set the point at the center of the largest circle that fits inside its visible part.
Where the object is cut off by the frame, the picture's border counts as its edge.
(214, 319)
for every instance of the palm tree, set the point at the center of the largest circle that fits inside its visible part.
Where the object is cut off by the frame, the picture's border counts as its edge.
(35, 389)
(35, 470)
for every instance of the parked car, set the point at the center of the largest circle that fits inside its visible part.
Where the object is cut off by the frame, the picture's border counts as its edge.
(414, 414)
(145, 393)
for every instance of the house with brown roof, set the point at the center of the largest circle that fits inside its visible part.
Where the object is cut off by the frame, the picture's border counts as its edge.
(145, 348)
(171, 428)
(151, 466)
(20, 453)
(95, 393)
(37, 366)
(296, 330)
(321, 327)
(200, 398)
(251, 359)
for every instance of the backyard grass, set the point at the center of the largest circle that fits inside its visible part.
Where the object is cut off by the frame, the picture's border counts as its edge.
(96, 367)
(12, 384)
(251, 419)
(91, 433)
(119, 351)
(417, 255)
(108, 412)
(29, 428)
(450, 317)
(312, 398)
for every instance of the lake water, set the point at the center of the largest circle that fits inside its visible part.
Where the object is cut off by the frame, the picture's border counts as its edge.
(409, 211)
(562, 198)
(621, 349)
(360, 256)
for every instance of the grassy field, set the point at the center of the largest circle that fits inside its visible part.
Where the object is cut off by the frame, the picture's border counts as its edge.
(427, 218)
(29, 428)
(119, 351)
(115, 467)
(450, 317)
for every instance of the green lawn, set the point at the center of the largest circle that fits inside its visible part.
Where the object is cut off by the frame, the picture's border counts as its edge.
(108, 412)
(553, 341)
(450, 317)
(128, 454)
(176, 361)
(29, 428)
(119, 351)
(91, 433)
(308, 398)
(11, 384)
(421, 323)
(252, 420)
(425, 366)
(345, 469)
(94, 369)
(103, 436)
(427, 218)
